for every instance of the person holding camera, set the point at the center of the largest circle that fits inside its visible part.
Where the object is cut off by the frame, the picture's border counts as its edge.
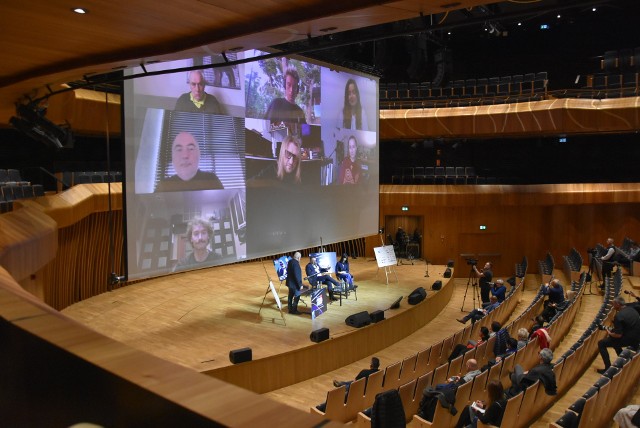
(499, 290)
(555, 301)
(625, 331)
(485, 276)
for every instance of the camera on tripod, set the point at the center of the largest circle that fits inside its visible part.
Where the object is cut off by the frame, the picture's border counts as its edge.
(472, 262)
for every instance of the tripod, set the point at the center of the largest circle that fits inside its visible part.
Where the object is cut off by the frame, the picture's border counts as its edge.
(473, 281)
(593, 270)
(426, 269)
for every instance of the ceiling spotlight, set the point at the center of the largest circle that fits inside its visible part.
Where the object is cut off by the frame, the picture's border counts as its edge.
(80, 10)
(559, 16)
(519, 24)
(593, 9)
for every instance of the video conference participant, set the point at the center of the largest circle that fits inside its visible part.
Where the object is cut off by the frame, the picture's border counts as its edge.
(294, 283)
(350, 168)
(285, 110)
(185, 157)
(199, 232)
(352, 115)
(485, 275)
(315, 276)
(289, 164)
(197, 100)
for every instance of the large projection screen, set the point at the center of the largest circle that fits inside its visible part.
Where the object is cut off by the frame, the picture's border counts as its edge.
(249, 160)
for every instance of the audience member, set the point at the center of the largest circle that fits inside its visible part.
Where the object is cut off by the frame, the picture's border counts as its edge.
(486, 275)
(197, 100)
(523, 338)
(374, 366)
(628, 417)
(608, 259)
(625, 331)
(185, 157)
(479, 313)
(350, 168)
(352, 115)
(555, 301)
(521, 380)
(502, 335)
(461, 348)
(539, 331)
(499, 290)
(472, 371)
(488, 412)
(199, 233)
(294, 283)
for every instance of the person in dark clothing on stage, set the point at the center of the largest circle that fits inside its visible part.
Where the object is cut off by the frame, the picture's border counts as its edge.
(316, 276)
(294, 283)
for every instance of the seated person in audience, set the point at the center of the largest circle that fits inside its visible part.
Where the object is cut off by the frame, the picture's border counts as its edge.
(555, 301)
(625, 331)
(199, 233)
(479, 313)
(488, 412)
(316, 276)
(343, 272)
(523, 338)
(502, 335)
(628, 417)
(499, 290)
(185, 157)
(461, 348)
(521, 380)
(365, 373)
(512, 347)
(539, 331)
(472, 371)
(197, 100)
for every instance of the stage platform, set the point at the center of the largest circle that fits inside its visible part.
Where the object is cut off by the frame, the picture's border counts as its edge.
(195, 318)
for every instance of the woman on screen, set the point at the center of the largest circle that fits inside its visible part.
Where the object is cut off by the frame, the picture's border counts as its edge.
(352, 115)
(289, 160)
(350, 169)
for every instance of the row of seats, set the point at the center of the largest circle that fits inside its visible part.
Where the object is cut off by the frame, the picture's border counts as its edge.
(10, 175)
(71, 178)
(440, 179)
(10, 193)
(435, 175)
(621, 60)
(546, 266)
(415, 372)
(516, 85)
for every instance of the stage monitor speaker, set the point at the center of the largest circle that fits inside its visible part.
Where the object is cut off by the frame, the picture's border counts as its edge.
(358, 320)
(377, 316)
(417, 296)
(447, 273)
(319, 335)
(437, 285)
(450, 263)
(240, 355)
(396, 304)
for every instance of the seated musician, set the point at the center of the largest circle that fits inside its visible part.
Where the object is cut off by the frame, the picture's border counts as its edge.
(316, 276)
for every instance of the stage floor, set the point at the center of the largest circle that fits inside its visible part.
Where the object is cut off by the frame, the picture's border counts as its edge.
(195, 318)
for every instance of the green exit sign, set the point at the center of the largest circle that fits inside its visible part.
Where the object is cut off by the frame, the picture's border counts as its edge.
(405, 208)
(483, 227)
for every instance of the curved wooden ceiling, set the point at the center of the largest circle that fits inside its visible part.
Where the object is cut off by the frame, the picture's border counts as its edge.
(46, 44)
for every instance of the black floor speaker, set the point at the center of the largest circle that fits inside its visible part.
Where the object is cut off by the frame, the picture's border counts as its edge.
(377, 316)
(447, 273)
(240, 355)
(437, 285)
(358, 320)
(417, 296)
(319, 335)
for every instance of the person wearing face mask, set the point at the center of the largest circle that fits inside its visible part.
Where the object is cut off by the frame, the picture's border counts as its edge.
(352, 115)
(185, 158)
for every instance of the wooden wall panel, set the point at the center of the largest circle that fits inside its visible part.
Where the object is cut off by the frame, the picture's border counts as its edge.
(521, 220)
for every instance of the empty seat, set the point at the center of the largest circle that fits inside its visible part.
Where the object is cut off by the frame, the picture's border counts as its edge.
(469, 171)
(429, 171)
(450, 171)
(439, 171)
(38, 190)
(529, 77)
(4, 176)
(14, 175)
(460, 171)
(81, 178)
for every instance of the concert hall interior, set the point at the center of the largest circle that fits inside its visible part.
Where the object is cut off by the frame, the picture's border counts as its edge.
(159, 161)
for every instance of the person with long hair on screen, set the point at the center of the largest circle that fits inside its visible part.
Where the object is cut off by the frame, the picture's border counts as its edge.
(350, 169)
(352, 116)
(199, 233)
(289, 162)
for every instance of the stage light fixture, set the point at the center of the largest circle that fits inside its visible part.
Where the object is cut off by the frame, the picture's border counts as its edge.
(30, 121)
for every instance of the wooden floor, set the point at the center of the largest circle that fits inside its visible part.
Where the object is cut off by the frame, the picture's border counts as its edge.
(195, 318)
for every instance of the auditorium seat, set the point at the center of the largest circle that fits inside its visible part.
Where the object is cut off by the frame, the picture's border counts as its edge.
(14, 175)
(4, 176)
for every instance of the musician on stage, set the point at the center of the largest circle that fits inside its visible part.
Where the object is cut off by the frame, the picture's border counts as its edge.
(294, 283)
(486, 275)
(316, 276)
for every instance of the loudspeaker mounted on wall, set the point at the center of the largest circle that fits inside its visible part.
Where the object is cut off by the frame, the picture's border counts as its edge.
(319, 335)
(240, 355)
